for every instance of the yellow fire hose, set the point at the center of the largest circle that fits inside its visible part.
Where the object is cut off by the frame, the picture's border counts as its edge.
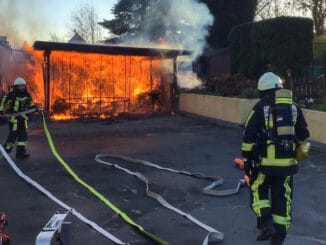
(213, 234)
(95, 192)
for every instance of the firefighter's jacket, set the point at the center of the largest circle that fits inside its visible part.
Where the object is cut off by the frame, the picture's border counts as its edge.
(2, 104)
(17, 101)
(257, 145)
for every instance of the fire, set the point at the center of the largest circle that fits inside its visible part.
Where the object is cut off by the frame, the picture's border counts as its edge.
(88, 85)
(61, 117)
(23, 64)
(138, 91)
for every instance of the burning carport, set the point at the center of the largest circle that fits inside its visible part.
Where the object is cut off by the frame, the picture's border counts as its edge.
(99, 80)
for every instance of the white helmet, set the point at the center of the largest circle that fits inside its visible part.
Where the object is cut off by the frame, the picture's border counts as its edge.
(19, 81)
(268, 81)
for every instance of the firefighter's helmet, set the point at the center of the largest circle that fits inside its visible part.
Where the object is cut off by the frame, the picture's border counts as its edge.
(19, 82)
(269, 81)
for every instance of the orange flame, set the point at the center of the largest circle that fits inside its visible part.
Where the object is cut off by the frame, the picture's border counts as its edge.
(87, 85)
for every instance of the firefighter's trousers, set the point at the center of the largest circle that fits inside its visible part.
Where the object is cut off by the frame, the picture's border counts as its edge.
(271, 198)
(17, 131)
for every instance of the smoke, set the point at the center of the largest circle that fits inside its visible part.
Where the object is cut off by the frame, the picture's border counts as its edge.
(18, 17)
(181, 24)
(8, 21)
(188, 79)
(21, 22)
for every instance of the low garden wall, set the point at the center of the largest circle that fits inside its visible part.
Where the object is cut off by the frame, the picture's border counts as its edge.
(236, 111)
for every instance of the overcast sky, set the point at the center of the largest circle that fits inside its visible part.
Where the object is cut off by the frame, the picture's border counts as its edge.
(36, 19)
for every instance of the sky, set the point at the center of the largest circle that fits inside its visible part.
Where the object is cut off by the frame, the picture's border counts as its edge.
(32, 20)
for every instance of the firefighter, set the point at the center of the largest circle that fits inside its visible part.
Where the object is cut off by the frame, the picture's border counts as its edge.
(18, 100)
(274, 130)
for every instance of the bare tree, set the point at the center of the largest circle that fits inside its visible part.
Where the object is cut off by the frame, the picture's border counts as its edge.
(54, 37)
(317, 9)
(84, 21)
(267, 9)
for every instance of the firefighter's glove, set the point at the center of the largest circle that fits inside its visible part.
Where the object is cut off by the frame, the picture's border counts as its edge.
(302, 150)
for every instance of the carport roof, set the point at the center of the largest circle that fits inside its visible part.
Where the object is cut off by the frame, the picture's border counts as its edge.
(110, 50)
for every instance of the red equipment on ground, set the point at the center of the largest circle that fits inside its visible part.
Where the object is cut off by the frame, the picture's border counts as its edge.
(4, 236)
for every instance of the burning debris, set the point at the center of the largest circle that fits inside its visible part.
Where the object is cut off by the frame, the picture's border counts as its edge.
(76, 80)
(80, 80)
(100, 81)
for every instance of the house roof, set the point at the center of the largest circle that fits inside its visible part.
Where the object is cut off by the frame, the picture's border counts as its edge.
(77, 39)
(110, 50)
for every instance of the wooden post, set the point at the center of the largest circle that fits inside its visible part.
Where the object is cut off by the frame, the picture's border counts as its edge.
(47, 63)
(101, 82)
(124, 101)
(175, 93)
(151, 82)
(69, 86)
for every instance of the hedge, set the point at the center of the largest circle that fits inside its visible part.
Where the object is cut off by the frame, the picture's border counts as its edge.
(272, 45)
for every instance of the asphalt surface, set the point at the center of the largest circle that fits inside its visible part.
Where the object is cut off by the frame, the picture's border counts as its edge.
(177, 142)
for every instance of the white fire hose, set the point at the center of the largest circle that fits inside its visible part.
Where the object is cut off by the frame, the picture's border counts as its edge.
(22, 113)
(59, 202)
(213, 235)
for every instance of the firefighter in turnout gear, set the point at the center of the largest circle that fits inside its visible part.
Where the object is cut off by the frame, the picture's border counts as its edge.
(18, 100)
(275, 129)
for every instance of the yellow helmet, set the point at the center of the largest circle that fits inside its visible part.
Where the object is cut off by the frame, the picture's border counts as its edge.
(19, 81)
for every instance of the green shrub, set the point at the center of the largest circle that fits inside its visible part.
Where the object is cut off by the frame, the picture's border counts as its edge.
(229, 85)
(274, 44)
(319, 48)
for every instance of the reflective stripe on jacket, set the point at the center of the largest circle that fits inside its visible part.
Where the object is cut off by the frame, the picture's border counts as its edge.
(17, 103)
(255, 135)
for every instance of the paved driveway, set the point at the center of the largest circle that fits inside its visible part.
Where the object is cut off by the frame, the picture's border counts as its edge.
(177, 142)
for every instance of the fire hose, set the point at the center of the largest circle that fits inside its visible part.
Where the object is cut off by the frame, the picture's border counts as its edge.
(213, 234)
(22, 113)
(56, 200)
(79, 180)
(92, 190)
(218, 180)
